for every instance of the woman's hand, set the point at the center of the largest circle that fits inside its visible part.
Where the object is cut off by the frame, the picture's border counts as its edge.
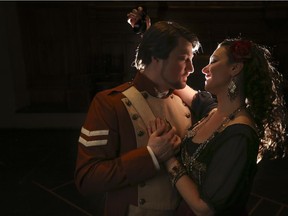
(163, 140)
(137, 15)
(186, 94)
(170, 163)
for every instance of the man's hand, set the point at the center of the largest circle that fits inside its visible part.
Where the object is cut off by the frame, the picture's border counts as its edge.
(163, 140)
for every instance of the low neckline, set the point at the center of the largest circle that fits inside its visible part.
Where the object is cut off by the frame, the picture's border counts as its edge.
(228, 126)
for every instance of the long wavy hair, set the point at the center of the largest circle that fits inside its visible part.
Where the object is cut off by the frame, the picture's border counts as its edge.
(263, 90)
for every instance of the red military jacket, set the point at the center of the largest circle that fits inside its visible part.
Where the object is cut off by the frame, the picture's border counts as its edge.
(108, 158)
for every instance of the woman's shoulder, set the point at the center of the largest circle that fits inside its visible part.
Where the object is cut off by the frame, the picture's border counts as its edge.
(242, 122)
(237, 136)
(241, 129)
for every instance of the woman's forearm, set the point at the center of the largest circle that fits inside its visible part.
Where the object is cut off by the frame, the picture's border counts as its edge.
(187, 188)
(189, 192)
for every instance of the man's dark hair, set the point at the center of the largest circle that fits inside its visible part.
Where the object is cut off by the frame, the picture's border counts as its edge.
(160, 39)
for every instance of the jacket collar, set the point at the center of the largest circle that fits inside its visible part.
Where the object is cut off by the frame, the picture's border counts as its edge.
(143, 83)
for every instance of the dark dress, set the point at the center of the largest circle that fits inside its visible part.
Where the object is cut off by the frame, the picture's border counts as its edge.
(223, 170)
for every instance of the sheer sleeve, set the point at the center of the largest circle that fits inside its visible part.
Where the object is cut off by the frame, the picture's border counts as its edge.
(231, 168)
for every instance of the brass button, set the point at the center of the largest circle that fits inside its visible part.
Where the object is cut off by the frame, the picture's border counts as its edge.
(142, 201)
(140, 133)
(145, 95)
(135, 116)
(128, 103)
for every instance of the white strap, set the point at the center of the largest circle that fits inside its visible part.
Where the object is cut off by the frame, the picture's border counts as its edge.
(140, 104)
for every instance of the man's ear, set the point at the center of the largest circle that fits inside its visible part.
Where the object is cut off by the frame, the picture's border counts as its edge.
(237, 68)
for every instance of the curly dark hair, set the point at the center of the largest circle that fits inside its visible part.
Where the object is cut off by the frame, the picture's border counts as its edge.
(159, 40)
(263, 89)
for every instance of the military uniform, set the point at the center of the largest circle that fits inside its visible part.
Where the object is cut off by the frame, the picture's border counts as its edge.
(113, 156)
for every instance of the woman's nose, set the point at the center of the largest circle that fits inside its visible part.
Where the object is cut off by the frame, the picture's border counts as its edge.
(205, 69)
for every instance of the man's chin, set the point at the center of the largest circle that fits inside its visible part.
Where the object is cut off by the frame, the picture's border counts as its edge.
(182, 85)
(179, 87)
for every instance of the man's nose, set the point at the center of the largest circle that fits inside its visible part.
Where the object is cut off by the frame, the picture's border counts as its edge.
(189, 67)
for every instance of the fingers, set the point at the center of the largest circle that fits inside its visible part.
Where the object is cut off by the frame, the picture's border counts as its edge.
(161, 132)
(136, 13)
(173, 139)
(148, 22)
(163, 145)
(151, 127)
(160, 123)
(132, 18)
(176, 144)
(171, 134)
(158, 126)
(168, 125)
(150, 131)
(170, 137)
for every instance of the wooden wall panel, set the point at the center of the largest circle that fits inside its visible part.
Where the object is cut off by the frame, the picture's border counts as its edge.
(74, 49)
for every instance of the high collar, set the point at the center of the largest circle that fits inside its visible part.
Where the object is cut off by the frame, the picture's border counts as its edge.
(143, 83)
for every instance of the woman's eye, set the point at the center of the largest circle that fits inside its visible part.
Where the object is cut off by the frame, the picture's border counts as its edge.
(212, 61)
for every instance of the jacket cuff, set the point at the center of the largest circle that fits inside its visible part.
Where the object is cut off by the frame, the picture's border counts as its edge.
(155, 161)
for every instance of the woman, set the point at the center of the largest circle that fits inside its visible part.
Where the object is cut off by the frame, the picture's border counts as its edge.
(215, 168)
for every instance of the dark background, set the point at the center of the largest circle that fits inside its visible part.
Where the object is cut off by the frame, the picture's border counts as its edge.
(62, 53)
(54, 56)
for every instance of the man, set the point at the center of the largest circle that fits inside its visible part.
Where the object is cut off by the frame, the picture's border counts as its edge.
(114, 153)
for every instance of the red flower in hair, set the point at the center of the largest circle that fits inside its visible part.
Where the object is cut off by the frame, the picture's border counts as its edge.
(241, 50)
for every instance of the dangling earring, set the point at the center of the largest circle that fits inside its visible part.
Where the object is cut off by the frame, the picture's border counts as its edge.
(232, 89)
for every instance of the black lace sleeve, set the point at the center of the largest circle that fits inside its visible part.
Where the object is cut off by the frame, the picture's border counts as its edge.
(202, 104)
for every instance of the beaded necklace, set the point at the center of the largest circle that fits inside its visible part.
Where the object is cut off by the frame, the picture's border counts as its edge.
(189, 161)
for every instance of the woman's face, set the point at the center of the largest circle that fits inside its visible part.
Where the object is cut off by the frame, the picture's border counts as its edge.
(218, 72)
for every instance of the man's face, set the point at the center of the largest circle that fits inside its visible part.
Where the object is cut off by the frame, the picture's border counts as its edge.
(218, 72)
(178, 66)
